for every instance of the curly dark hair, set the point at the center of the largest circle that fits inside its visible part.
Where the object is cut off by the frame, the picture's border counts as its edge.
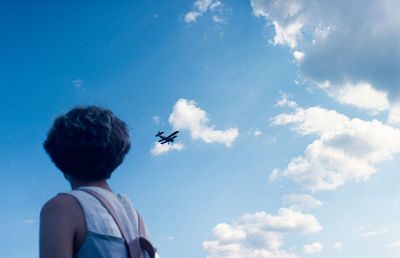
(88, 143)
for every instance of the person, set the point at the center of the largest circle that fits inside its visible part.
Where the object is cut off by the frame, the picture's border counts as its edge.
(87, 144)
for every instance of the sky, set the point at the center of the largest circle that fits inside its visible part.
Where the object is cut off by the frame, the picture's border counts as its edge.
(288, 112)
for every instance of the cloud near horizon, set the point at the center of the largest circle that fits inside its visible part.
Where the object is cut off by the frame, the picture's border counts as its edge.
(259, 234)
(187, 116)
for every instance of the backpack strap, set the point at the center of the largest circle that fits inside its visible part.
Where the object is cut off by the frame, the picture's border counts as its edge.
(144, 243)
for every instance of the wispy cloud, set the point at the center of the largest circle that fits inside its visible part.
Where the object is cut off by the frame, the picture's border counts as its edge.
(395, 244)
(301, 201)
(257, 133)
(77, 83)
(338, 246)
(156, 119)
(273, 175)
(375, 232)
(203, 6)
(285, 101)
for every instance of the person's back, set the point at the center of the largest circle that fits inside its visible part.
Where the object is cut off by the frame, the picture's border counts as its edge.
(87, 144)
(103, 238)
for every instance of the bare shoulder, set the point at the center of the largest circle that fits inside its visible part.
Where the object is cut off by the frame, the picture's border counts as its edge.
(62, 206)
(60, 202)
(62, 227)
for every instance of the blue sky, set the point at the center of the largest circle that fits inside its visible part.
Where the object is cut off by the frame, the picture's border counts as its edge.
(289, 114)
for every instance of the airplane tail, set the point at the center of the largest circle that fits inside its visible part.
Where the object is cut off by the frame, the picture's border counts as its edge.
(159, 133)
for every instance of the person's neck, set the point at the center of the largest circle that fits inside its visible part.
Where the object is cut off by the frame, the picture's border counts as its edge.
(75, 184)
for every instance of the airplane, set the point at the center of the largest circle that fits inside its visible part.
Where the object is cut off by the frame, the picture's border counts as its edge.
(166, 139)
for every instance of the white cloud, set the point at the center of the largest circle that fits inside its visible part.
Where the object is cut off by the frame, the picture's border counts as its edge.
(159, 148)
(340, 44)
(338, 246)
(287, 220)
(287, 35)
(187, 116)
(283, 16)
(284, 101)
(29, 221)
(298, 55)
(376, 232)
(394, 114)
(259, 235)
(226, 233)
(192, 16)
(273, 175)
(201, 7)
(313, 248)
(214, 5)
(217, 19)
(301, 201)
(361, 95)
(345, 149)
(257, 133)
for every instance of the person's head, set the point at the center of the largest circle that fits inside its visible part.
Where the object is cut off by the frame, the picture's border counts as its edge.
(87, 143)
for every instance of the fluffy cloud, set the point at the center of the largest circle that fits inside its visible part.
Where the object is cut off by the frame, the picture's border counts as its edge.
(158, 148)
(341, 42)
(187, 116)
(345, 149)
(394, 114)
(301, 201)
(287, 220)
(259, 235)
(361, 95)
(313, 248)
(202, 6)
